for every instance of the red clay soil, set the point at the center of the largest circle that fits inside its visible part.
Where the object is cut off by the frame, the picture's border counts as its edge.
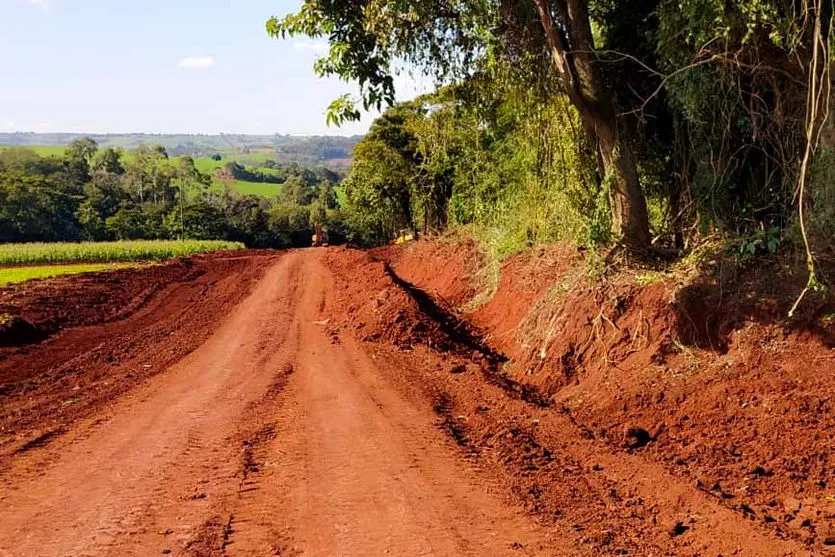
(709, 382)
(451, 272)
(331, 407)
(276, 436)
(121, 328)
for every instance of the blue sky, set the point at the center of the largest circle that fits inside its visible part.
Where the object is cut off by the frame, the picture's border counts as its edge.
(162, 66)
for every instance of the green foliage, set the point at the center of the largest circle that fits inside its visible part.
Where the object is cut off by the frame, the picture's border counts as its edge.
(367, 37)
(710, 98)
(760, 242)
(342, 109)
(486, 154)
(105, 252)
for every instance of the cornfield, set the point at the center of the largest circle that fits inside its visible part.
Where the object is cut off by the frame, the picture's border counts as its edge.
(107, 252)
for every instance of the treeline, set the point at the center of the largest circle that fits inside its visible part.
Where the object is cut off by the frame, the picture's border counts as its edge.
(92, 194)
(302, 150)
(647, 123)
(270, 172)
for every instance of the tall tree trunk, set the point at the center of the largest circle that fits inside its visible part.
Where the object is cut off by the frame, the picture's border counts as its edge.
(572, 52)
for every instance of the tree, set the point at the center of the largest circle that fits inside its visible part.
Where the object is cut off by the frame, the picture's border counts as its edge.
(447, 38)
(568, 32)
(109, 160)
(78, 160)
(150, 173)
(199, 220)
(289, 225)
(84, 149)
(128, 223)
(296, 191)
(103, 197)
(379, 189)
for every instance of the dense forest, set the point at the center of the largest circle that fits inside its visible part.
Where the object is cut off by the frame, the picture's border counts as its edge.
(96, 194)
(647, 124)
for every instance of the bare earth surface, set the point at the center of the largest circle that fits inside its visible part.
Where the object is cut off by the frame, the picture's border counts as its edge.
(312, 403)
(271, 438)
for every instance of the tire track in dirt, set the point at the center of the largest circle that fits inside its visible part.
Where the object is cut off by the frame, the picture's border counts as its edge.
(147, 476)
(356, 469)
(46, 388)
(276, 436)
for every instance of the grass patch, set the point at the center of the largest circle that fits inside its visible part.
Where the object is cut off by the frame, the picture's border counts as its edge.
(40, 150)
(22, 274)
(647, 278)
(261, 189)
(107, 252)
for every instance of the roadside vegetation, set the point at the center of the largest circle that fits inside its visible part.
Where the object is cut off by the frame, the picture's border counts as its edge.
(652, 125)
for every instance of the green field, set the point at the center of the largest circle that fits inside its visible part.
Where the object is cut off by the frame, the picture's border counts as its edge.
(107, 252)
(42, 150)
(12, 275)
(255, 188)
(205, 165)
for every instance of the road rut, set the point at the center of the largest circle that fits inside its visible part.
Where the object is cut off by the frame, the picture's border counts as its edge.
(275, 437)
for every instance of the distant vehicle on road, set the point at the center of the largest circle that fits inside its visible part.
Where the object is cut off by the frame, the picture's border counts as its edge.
(320, 236)
(405, 235)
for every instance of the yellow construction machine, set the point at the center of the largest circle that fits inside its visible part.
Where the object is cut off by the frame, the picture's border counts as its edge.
(405, 235)
(320, 236)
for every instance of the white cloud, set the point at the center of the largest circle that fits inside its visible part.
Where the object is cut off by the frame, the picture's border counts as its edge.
(317, 47)
(44, 126)
(197, 62)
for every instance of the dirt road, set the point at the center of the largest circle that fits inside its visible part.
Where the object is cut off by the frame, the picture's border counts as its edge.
(275, 437)
(316, 403)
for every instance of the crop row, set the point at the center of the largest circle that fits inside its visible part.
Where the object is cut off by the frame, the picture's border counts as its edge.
(107, 252)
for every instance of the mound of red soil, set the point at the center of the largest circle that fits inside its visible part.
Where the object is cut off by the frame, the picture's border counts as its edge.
(389, 313)
(90, 298)
(140, 319)
(605, 491)
(708, 381)
(449, 271)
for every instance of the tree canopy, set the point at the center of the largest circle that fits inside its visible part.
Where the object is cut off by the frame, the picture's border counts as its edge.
(639, 122)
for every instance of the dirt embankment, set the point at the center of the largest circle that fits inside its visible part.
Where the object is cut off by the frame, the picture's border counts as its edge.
(105, 334)
(704, 384)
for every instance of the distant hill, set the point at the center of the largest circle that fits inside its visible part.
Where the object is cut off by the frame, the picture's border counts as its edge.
(330, 151)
